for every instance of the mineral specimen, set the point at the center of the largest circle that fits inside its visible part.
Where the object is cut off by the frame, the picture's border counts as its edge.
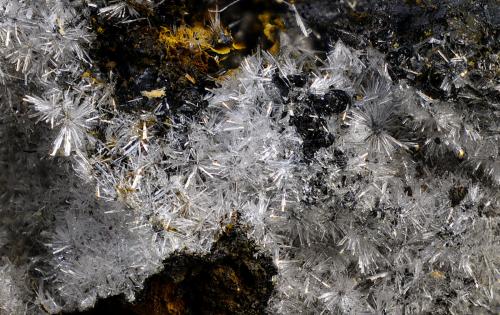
(244, 157)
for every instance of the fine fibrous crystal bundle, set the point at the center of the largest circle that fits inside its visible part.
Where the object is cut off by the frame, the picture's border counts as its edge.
(368, 172)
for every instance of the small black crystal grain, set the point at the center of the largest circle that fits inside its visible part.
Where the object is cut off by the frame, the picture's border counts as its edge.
(332, 102)
(313, 131)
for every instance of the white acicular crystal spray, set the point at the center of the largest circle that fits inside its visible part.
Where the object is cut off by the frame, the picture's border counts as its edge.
(331, 165)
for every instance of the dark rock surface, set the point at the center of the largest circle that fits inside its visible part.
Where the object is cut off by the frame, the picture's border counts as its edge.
(233, 279)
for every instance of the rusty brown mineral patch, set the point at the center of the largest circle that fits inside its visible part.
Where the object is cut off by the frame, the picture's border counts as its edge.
(234, 278)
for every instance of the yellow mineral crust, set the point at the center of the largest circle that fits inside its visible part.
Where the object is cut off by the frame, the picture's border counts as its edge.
(158, 93)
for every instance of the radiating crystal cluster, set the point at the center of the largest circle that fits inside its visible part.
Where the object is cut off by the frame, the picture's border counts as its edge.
(371, 196)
